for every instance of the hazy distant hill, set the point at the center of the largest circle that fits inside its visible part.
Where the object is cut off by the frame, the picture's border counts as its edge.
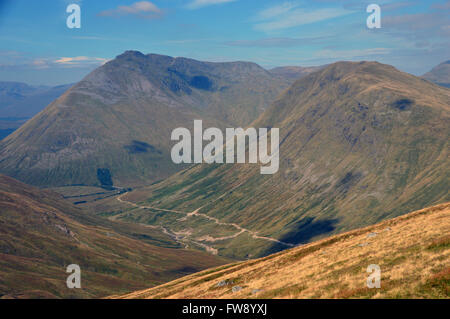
(440, 74)
(117, 121)
(41, 234)
(359, 142)
(11, 92)
(411, 251)
(19, 102)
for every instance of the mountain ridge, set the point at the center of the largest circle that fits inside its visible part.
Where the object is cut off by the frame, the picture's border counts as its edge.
(359, 142)
(440, 74)
(22, 100)
(119, 118)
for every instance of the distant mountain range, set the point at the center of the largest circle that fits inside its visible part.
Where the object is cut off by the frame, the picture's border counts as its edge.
(118, 120)
(41, 234)
(359, 142)
(440, 74)
(19, 102)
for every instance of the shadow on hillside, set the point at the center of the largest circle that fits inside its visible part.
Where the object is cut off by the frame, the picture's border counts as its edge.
(304, 231)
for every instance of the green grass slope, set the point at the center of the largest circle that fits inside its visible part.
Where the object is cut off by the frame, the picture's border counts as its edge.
(359, 143)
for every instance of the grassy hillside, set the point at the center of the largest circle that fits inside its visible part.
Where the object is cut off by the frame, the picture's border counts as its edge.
(117, 122)
(294, 72)
(41, 234)
(412, 251)
(359, 143)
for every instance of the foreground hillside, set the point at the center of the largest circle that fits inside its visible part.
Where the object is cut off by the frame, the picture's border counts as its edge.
(360, 142)
(413, 252)
(40, 235)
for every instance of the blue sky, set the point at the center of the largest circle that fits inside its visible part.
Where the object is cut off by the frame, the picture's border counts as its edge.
(36, 46)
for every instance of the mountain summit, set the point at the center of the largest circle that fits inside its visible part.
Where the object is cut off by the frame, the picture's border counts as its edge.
(440, 74)
(114, 126)
(359, 142)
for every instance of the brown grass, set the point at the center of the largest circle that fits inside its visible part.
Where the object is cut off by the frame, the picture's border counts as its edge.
(412, 251)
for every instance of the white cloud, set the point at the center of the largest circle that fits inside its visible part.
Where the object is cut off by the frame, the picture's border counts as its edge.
(79, 61)
(24, 61)
(352, 54)
(39, 64)
(290, 14)
(196, 4)
(276, 11)
(143, 9)
(280, 42)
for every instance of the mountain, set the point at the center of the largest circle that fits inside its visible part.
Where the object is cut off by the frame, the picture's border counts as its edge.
(11, 92)
(360, 142)
(19, 102)
(440, 74)
(115, 125)
(9, 125)
(41, 234)
(294, 72)
(411, 251)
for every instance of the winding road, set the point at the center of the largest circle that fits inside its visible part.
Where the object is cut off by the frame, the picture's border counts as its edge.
(208, 239)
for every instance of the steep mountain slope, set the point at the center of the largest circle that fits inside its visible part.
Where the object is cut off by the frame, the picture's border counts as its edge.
(359, 143)
(41, 234)
(440, 74)
(116, 123)
(412, 251)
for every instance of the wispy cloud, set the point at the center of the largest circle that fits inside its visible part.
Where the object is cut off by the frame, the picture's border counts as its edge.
(290, 14)
(196, 4)
(88, 38)
(52, 64)
(276, 11)
(420, 29)
(10, 53)
(279, 42)
(142, 9)
(420, 23)
(442, 6)
(80, 61)
(397, 5)
(352, 54)
(25, 61)
(186, 41)
(61, 62)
